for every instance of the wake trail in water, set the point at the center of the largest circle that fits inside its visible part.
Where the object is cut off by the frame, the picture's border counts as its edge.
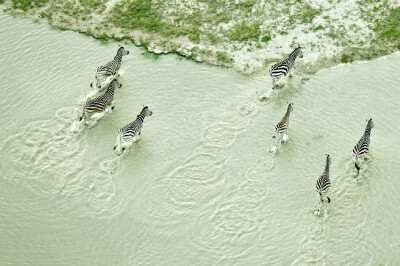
(343, 210)
(48, 157)
(202, 176)
(235, 224)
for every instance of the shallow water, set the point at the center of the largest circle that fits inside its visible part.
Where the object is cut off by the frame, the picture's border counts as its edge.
(200, 186)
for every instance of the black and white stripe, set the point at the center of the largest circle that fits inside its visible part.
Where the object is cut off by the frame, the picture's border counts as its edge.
(362, 147)
(111, 68)
(127, 134)
(283, 125)
(323, 182)
(283, 68)
(100, 103)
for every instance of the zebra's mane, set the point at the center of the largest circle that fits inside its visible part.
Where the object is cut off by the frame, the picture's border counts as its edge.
(295, 51)
(111, 87)
(327, 164)
(287, 114)
(142, 113)
(119, 53)
(120, 49)
(368, 128)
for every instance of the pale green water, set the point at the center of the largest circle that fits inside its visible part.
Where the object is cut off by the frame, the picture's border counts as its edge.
(200, 187)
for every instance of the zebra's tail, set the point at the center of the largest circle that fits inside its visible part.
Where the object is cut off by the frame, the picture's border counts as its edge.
(118, 145)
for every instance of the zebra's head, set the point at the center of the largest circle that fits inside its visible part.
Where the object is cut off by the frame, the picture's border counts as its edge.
(116, 83)
(370, 123)
(122, 51)
(146, 111)
(328, 159)
(290, 107)
(300, 51)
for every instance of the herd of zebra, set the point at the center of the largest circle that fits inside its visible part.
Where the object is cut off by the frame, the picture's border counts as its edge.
(360, 149)
(129, 133)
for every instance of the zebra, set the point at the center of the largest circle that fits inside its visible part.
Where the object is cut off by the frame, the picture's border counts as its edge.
(111, 68)
(100, 103)
(362, 146)
(323, 182)
(283, 68)
(131, 131)
(283, 125)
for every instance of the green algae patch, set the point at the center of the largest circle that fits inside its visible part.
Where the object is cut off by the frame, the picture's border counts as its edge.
(28, 4)
(242, 32)
(388, 28)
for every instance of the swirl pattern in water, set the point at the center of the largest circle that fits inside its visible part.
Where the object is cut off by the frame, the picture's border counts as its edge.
(49, 158)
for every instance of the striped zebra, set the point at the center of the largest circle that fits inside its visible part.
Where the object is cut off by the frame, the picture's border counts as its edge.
(361, 149)
(111, 68)
(100, 103)
(283, 68)
(131, 131)
(282, 127)
(323, 182)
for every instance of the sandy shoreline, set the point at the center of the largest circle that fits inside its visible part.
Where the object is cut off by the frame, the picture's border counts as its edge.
(247, 36)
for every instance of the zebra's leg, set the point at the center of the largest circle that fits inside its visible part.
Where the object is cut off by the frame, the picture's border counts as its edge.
(357, 167)
(279, 139)
(357, 163)
(112, 103)
(83, 116)
(317, 206)
(290, 73)
(285, 137)
(326, 199)
(280, 82)
(137, 136)
(275, 147)
(273, 82)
